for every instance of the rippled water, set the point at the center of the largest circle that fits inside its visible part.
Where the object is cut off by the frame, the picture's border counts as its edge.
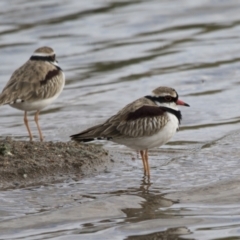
(113, 52)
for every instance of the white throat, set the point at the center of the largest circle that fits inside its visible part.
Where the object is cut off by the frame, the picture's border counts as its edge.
(171, 105)
(55, 63)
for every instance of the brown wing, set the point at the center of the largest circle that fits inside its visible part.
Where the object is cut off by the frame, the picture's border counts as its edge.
(138, 119)
(145, 121)
(32, 81)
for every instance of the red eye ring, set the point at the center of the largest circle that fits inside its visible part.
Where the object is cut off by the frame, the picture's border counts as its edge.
(168, 98)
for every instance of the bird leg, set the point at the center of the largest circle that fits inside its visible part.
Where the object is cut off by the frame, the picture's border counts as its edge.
(147, 165)
(27, 126)
(143, 160)
(39, 129)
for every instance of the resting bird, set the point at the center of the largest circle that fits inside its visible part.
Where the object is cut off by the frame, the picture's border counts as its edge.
(146, 123)
(34, 85)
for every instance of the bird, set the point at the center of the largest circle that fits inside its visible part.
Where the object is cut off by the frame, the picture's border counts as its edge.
(146, 123)
(34, 85)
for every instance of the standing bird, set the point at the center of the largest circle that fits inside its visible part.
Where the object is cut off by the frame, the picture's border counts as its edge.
(34, 85)
(146, 123)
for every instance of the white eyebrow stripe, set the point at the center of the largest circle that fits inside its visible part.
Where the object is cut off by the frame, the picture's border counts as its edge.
(43, 54)
(163, 94)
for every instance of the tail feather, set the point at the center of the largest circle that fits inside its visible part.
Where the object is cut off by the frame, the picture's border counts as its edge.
(88, 135)
(3, 99)
(8, 98)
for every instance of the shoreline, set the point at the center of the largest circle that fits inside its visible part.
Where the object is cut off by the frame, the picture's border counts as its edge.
(25, 163)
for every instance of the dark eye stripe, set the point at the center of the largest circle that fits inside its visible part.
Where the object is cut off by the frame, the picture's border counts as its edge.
(50, 59)
(43, 58)
(164, 99)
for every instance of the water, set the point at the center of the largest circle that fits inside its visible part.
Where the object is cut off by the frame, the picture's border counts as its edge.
(113, 52)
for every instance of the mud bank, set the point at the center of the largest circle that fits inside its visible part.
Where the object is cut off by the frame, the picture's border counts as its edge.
(24, 163)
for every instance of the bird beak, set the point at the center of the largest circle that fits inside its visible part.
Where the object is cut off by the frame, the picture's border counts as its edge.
(180, 102)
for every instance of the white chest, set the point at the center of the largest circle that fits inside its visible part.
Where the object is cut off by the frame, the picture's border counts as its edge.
(156, 140)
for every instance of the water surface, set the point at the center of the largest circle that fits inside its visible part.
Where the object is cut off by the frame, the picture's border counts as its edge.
(113, 52)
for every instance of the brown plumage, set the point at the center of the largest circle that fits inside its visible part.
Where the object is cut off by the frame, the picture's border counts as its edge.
(132, 121)
(26, 83)
(34, 85)
(145, 123)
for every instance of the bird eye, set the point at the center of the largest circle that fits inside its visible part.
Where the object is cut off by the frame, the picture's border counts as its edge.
(168, 98)
(53, 57)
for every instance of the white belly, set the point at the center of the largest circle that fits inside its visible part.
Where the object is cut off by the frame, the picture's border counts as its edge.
(156, 140)
(34, 106)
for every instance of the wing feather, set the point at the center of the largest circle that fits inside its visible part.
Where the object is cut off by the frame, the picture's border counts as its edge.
(138, 119)
(140, 122)
(30, 82)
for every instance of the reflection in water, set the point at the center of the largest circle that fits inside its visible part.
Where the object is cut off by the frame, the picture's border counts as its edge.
(171, 234)
(151, 209)
(114, 52)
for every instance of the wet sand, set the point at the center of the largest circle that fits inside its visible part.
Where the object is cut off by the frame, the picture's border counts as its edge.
(24, 163)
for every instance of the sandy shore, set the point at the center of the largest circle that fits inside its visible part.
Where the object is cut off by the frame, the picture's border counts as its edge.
(24, 163)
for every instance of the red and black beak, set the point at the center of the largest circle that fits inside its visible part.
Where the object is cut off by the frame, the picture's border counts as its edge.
(180, 102)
